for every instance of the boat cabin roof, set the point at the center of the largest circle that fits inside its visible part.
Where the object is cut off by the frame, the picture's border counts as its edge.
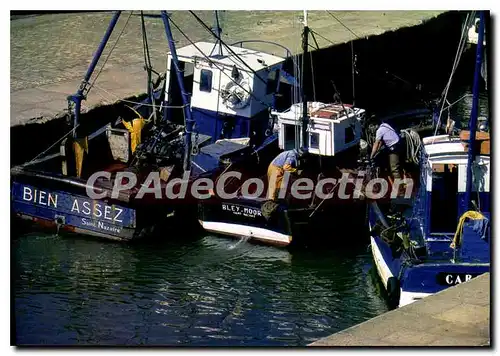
(254, 59)
(445, 147)
(443, 144)
(317, 110)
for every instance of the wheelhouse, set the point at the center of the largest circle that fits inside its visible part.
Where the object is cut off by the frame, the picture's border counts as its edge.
(443, 182)
(332, 128)
(230, 88)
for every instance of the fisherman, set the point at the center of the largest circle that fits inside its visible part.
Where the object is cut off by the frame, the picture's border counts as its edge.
(391, 140)
(286, 161)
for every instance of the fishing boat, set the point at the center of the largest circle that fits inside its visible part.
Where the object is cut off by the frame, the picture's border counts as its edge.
(440, 237)
(330, 133)
(208, 111)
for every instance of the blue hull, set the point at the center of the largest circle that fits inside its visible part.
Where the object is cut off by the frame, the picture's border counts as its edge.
(407, 280)
(72, 212)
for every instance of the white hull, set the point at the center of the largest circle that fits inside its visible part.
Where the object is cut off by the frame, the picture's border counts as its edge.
(410, 297)
(385, 273)
(256, 233)
(382, 269)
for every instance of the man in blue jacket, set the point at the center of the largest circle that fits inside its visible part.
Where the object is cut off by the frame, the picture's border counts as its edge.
(286, 161)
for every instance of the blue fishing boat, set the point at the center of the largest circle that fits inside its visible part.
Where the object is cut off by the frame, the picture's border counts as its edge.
(441, 236)
(330, 135)
(208, 111)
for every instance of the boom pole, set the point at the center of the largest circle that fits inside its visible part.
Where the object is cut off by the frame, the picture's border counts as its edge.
(80, 94)
(305, 117)
(471, 154)
(185, 97)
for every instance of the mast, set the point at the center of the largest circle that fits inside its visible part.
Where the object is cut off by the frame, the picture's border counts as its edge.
(474, 112)
(185, 98)
(305, 117)
(80, 94)
(217, 30)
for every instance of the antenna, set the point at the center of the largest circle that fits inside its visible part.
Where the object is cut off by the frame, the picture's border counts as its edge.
(217, 30)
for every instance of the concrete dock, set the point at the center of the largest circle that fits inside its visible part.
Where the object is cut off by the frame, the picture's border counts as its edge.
(50, 53)
(457, 316)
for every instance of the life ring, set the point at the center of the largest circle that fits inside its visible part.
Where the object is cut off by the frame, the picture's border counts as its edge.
(236, 94)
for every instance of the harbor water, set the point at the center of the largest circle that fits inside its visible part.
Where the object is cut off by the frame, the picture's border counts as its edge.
(204, 291)
(196, 290)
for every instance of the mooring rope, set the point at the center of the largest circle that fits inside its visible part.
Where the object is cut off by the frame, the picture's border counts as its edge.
(62, 138)
(413, 145)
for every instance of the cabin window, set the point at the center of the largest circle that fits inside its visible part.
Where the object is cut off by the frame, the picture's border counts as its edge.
(349, 134)
(206, 80)
(314, 140)
(289, 136)
(272, 81)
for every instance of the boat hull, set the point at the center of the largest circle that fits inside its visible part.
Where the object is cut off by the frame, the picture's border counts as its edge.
(72, 212)
(406, 283)
(241, 217)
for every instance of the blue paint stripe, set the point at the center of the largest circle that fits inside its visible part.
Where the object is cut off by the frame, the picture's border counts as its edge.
(77, 211)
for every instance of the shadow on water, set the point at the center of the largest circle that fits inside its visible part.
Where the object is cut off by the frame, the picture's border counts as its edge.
(206, 291)
(198, 289)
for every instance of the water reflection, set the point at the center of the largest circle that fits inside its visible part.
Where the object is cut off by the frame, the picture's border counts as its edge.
(210, 291)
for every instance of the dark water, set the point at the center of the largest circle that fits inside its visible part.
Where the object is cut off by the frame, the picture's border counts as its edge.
(206, 291)
(209, 290)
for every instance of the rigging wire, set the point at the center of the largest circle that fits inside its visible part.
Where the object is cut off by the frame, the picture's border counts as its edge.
(456, 101)
(353, 71)
(109, 54)
(323, 37)
(55, 143)
(458, 55)
(352, 48)
(312, 76)
(145, 46)
(216, 66)
(340, 22)
(227, 47)
(117, 99)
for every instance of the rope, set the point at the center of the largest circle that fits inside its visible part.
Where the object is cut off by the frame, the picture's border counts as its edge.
(322, 201)
(62, 138)
(413, 145)
(471, 214)
(109, 54)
